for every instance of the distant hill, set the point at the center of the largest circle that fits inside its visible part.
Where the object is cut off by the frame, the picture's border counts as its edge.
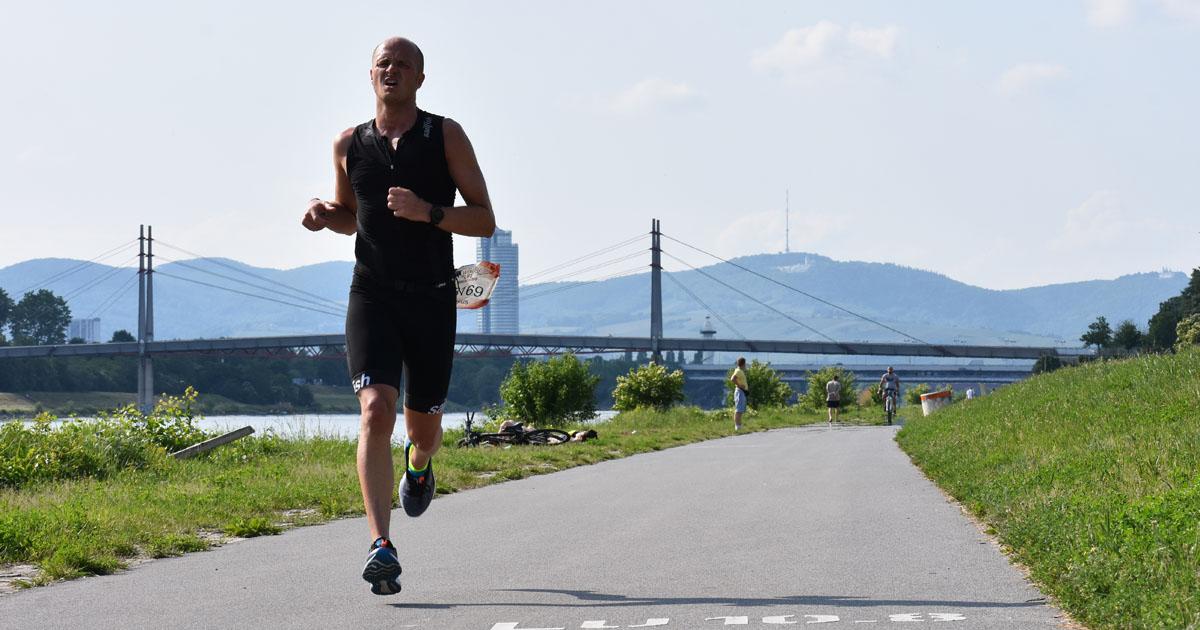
(921, 303)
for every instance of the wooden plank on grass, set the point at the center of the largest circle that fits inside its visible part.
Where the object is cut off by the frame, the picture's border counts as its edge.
(208, 445)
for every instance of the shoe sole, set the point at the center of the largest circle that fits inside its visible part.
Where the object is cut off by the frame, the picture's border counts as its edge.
(382, 576)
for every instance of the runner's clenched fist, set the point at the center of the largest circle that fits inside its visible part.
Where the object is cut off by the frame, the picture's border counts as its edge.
(405, 204)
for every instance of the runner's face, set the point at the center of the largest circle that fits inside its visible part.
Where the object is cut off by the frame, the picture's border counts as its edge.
(396, 73)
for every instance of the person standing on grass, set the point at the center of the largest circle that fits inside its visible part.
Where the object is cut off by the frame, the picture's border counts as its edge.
(395, 179)
(741, 391)
(833, 398)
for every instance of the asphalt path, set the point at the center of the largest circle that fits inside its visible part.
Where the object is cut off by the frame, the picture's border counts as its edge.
(805, 526)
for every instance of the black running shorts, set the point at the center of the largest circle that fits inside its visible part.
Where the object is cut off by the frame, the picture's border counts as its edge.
(410, 331)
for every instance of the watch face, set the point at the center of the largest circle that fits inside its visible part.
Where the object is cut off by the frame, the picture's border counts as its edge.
(436, 214)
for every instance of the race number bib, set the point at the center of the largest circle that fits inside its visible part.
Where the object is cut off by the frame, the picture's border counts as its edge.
(475, 283)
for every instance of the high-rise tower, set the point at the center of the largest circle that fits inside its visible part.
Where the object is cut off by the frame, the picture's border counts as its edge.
(501, 315)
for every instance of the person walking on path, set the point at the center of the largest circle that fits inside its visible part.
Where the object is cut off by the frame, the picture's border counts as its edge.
(741, 390)
(833, 398)
(395, 179)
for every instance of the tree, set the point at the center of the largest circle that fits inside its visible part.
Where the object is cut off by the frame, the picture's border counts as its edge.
(1098, 334)
(1047, 363)
(648, 386)
(1187, 333)
(121, 336)
(1127, 336)
(6, 306)
(550, 393)
(817, 381)
(40, 318)
(1161, 334)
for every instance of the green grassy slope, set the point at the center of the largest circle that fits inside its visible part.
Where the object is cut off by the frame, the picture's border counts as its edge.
(1091, 475)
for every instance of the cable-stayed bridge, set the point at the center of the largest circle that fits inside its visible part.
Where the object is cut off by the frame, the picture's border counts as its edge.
(219, 275)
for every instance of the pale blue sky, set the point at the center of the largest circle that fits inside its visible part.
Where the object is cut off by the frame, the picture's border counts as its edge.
(1002, 144)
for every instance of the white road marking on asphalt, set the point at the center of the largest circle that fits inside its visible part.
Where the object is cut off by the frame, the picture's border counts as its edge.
(822, 619)
(597, 624)
(906, 617)
(653, 622)
(732, 621)
(779, 619)
(512, 625)
(947, 617)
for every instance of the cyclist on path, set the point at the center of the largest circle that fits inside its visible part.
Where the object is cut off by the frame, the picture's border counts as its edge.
(889, 385)
(395, 178)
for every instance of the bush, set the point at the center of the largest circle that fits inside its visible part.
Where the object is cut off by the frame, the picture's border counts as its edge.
(48, 449)
(550, 393)
(767, 389)
(1187, 332)
(913, 395)
(648, 386)
(815, 397)
(870, 396)
(1047, 363)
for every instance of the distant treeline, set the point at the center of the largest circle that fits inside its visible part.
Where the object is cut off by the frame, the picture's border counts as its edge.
(475, 382)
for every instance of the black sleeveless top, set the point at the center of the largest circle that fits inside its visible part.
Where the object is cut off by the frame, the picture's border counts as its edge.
(391, 251)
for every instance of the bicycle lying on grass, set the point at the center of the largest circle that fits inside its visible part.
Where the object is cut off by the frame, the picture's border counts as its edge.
(515, 434)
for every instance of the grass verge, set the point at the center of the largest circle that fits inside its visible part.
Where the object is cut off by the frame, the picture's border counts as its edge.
(1091, 477)
(261, 485)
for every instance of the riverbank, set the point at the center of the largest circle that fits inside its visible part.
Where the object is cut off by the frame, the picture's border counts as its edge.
(265, 484)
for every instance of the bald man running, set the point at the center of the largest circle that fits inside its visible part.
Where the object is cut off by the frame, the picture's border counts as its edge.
(394, 188)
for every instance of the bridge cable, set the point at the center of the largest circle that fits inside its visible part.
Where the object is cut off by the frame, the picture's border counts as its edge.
(568, 263)
(95, 282)
(260, 297)
(251, 284)
(788, 286)
(753, 299)
(701, 302)
(620, 274)
(577, 272)
(114, 297)
(63, 274)
(215, 261)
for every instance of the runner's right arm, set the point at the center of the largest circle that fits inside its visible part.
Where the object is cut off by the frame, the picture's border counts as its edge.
(341, 214)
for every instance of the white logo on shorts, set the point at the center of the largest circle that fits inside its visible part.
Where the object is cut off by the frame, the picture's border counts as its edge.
(362, 381)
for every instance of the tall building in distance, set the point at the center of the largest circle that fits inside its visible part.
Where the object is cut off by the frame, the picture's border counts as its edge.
(86, 329)
(501, 315)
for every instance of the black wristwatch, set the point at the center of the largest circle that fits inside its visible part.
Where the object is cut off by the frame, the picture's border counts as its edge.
(436, 214)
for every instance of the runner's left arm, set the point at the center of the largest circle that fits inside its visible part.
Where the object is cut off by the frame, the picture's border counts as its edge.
(475, 218)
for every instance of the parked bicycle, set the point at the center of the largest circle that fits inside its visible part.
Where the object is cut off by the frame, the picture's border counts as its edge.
(514, 434)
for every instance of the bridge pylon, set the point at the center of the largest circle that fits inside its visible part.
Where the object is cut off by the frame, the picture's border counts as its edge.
(656, 331)
(145, 397)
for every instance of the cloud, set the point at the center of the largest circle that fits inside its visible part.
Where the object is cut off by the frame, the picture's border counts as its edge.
(1183, 9)
(810, 47)
(1023, 77)
(880, 41)
(1109, 13)
(652, 94)
(1102, 225)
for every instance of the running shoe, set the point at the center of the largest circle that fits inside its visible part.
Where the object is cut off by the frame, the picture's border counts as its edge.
(416, 489)
(382, 569)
